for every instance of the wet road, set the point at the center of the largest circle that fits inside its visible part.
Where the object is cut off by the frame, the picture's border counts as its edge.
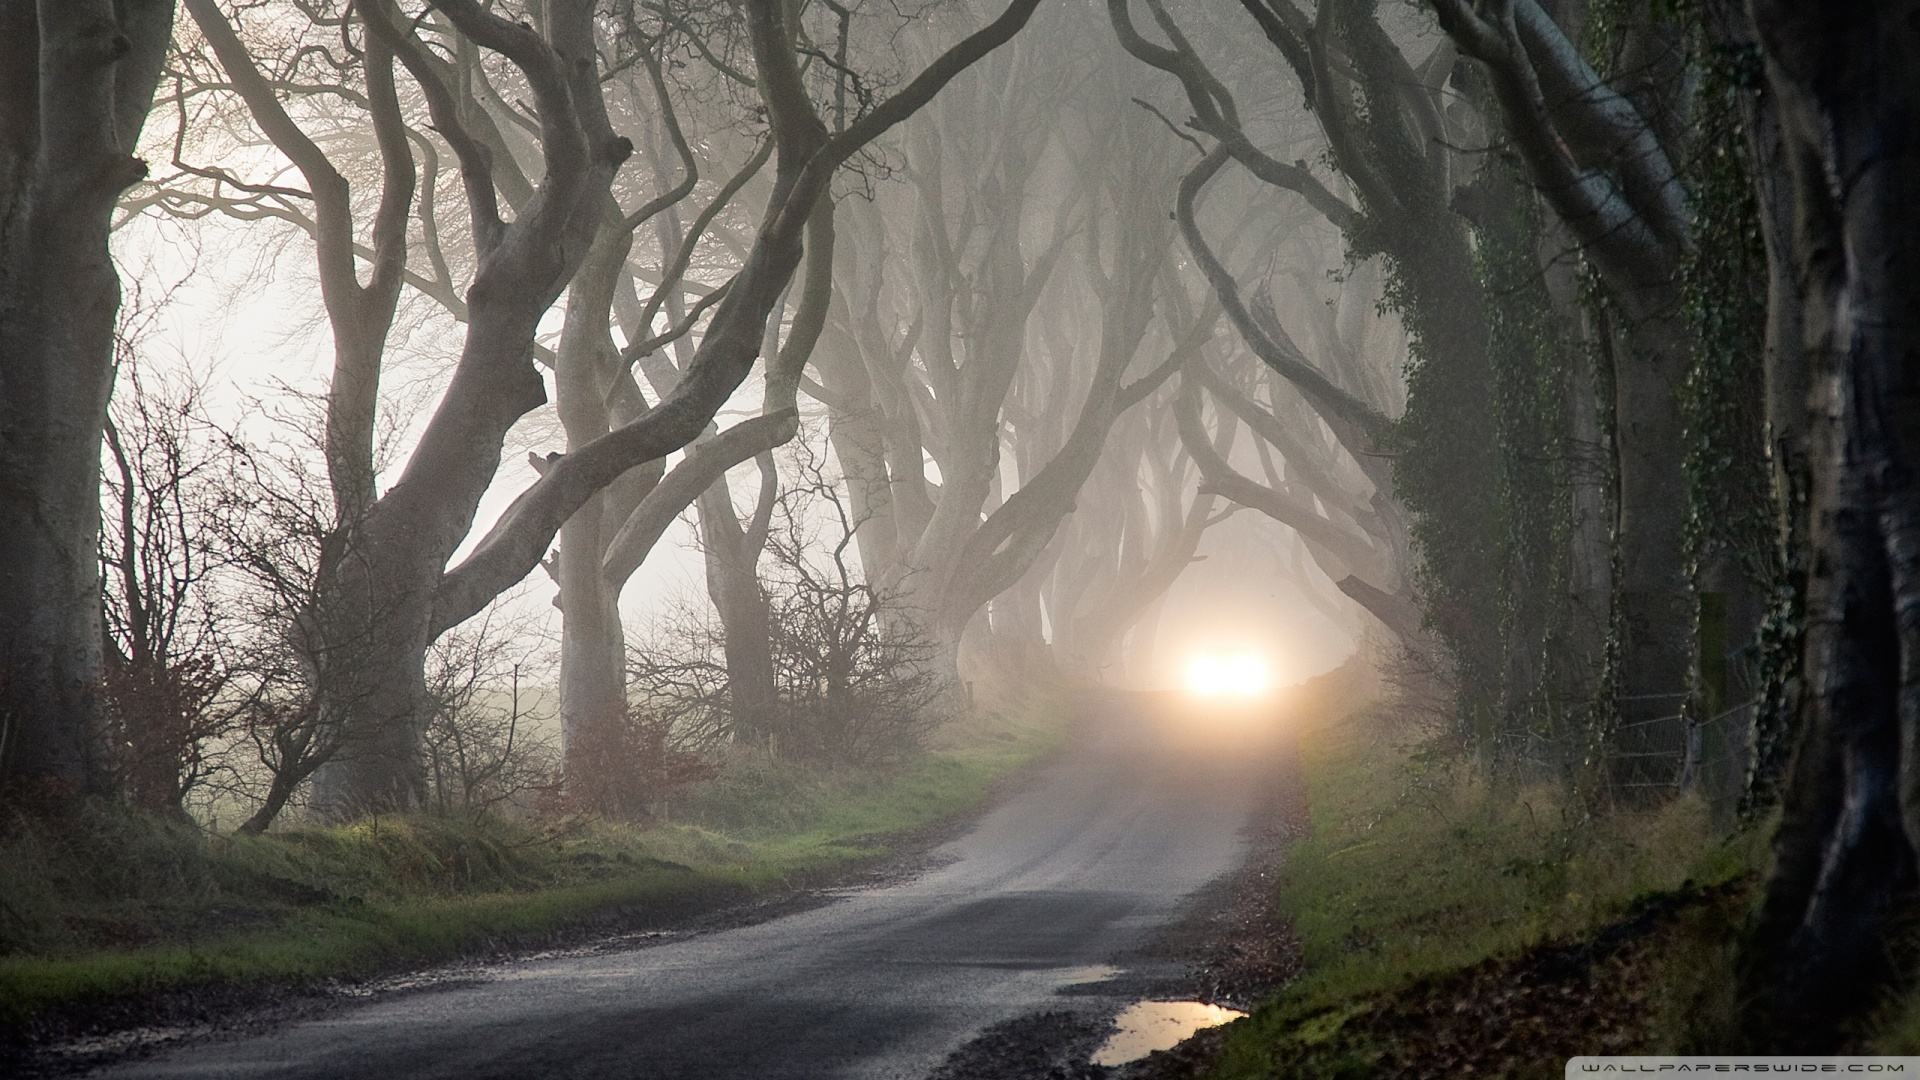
(1070, 873)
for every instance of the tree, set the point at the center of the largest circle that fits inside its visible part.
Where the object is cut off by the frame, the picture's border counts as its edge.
(1383, 120)
(1121, 551)
(76, 82)
(1028, 304)
(1845, 865)
(851, 680)
(1603, 157)
(388, 591)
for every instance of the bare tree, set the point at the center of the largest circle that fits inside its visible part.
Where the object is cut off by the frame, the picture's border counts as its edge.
(1604, 155)
(389, 588)
(1137, 529)
(1026, 306)
(277, 528)
(1383, 122)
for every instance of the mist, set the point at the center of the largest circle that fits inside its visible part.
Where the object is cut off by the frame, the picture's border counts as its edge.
(954, 538)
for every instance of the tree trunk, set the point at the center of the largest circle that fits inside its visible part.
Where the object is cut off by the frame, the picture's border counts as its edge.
(594, 392)
(76, 81)
(733, 584)
(366, 644)
(375, 609)
(1654, 610)
(855, 428)
(1841, 893)
(387, 590)
(1142, 642)
(593, 679)
(279, 794)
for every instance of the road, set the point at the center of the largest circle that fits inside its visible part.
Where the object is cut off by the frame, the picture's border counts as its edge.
(1069, 874)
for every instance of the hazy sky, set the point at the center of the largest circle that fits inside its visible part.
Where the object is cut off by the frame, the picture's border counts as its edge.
(248, 319)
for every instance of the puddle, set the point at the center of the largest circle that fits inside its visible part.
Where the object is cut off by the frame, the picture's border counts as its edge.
(1147, 1026)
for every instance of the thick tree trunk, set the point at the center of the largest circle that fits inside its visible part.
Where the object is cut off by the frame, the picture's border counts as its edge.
(378, 767)
(594, 392)
(593, 679)
(365, 643)
(1019, 641)
(1730, 610)
(1841, 894)
(56, 341)
(76, 81)
(375, 606)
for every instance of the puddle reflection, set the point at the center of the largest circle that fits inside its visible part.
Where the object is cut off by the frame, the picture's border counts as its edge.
(1147, 1026)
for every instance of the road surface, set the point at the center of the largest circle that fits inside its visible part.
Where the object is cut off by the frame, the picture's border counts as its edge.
(1071, 873)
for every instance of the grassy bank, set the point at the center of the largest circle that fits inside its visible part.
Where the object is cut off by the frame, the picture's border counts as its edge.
(1449, 929)
(122, 909)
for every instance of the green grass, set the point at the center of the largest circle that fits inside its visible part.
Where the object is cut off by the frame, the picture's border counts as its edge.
(123, 906)
(1407, 874)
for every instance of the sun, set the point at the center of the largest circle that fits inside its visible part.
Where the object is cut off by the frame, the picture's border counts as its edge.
(1241, 675)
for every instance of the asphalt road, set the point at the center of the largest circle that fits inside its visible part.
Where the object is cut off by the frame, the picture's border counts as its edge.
(1069, 874)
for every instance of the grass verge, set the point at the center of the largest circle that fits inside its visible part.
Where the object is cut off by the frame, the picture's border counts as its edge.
(1451, 929)
(98, 922)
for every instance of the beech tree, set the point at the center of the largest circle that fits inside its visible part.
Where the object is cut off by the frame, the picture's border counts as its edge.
(1845, 861)
(1602, 154)
(392, 556)
(76, 82)
(1376, 113)
(1455, 231)
(1028, 304)
(1134, 531)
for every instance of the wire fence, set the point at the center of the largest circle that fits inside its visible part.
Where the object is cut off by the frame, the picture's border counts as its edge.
(1711, 752)
(1715, 746)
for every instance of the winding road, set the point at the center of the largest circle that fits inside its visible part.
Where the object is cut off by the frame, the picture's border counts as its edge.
(1072, 873)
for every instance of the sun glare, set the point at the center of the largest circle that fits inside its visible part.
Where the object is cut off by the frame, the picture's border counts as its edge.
(1242, 674)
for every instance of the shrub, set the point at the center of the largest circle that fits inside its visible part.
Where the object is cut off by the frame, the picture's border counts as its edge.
(853, 674)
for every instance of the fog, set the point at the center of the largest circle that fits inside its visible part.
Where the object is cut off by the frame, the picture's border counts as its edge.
(650, 454)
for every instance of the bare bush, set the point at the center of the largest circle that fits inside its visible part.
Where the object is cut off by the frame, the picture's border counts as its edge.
(278, 523)
(213, 554)
(277, 548)
(677, 676)
(169, 658)
(485, 748)
(633, 765)
(207, 552)
(856, 678)
(673, 733)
